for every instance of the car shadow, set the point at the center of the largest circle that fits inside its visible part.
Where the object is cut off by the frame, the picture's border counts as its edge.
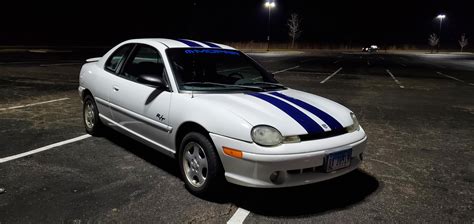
(335, 194)
(146, 153)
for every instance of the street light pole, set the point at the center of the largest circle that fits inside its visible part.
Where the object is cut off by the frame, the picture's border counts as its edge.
(440, 17)
(269, 4)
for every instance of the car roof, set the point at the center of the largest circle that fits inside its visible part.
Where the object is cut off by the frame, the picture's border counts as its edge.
(181, 43)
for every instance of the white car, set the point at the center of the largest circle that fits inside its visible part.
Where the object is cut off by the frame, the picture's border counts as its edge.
(220, 114)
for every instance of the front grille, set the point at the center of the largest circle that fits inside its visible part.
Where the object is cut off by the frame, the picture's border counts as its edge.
(316, 169)
(322, 135)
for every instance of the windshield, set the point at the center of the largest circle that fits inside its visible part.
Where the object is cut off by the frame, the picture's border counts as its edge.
(200, 69)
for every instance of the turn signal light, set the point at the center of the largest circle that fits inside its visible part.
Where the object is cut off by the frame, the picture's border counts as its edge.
(233, 152)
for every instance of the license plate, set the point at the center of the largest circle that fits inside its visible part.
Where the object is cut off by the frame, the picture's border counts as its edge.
(338, 160)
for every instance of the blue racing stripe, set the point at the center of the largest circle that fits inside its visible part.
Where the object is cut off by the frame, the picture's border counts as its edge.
(328, 119)
(306, 122)
(189, 43)
(211, 44)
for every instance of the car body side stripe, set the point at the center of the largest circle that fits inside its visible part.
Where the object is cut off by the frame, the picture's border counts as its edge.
(189, 43)
(211, 44)
(306, 122)
(328, 119)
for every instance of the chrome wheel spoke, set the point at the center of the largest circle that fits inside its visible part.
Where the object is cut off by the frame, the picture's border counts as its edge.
(201, 179)
(195, 164)
(89, 115)
(202, 163)
(188, 156)
(196, 149)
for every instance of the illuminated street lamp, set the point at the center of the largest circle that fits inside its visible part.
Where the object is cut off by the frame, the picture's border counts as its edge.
(269, 4)
(440, 17)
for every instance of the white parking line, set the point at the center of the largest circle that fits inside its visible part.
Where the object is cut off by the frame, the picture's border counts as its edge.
(402, 64)
(239, 216)
(17, 156)
(287, 69)
(454, 78)
(395, 79)
(32, 104)
(330, 76)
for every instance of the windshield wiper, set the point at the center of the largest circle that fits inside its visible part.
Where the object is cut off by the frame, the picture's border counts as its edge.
(223, 85)
(265, 83)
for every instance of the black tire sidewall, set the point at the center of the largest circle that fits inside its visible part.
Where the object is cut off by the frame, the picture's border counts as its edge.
(215, 170)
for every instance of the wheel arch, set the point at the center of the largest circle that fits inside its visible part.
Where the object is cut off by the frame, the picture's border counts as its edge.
(85, 93)
(188, 127)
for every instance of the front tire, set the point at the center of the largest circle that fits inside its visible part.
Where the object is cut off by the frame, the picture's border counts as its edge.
(90, 115)
(199, 164)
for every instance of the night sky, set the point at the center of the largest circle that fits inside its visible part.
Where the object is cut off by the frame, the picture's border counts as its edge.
(334, 22)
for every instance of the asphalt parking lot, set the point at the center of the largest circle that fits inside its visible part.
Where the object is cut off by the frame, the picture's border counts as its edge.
(417, 109)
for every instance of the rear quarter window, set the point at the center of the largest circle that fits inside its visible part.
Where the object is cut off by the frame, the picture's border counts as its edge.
(117, 58)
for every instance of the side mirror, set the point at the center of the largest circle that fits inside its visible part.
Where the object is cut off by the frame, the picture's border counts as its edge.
(152, 80)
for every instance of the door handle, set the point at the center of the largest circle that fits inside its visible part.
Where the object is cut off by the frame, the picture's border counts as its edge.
(116, 88)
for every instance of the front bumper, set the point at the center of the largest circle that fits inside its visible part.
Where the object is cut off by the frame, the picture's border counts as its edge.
(80, 90)
(294, 169)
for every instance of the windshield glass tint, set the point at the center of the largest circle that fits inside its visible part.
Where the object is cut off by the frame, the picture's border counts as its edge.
(215, 69)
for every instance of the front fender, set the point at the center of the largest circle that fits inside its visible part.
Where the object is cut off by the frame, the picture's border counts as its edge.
(213, 118)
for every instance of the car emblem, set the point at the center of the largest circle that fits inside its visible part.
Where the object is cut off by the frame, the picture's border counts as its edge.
(160, 117)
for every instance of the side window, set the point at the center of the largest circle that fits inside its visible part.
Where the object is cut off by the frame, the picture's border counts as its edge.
(117, 57)
(144, 60)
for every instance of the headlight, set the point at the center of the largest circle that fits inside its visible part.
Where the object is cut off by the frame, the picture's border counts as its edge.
(355, 124)
(266, 135)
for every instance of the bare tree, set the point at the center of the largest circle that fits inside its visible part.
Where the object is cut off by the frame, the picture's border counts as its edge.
(433, 41)
(294, 26)
(463, 41)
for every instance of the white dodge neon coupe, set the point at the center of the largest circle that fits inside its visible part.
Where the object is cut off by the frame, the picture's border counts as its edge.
(220, 114)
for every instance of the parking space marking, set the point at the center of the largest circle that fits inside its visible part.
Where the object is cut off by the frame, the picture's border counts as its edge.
(239, 216)
(330, 76)
(33, 104)
(395, 79)
(17, 156)
(454, 78)
(287, 69)
(402, 64)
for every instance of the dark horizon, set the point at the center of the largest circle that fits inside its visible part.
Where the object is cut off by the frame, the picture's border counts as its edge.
(337, 22)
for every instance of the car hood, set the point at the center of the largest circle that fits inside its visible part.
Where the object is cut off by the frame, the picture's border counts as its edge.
(290, 111)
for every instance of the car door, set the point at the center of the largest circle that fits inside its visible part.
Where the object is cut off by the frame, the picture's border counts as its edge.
(104, 81)
(142, 109)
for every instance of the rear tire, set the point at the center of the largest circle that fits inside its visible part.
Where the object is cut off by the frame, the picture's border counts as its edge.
(199, 164)
(90, 116)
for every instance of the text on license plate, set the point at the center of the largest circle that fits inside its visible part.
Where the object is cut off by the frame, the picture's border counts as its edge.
(338, 160)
